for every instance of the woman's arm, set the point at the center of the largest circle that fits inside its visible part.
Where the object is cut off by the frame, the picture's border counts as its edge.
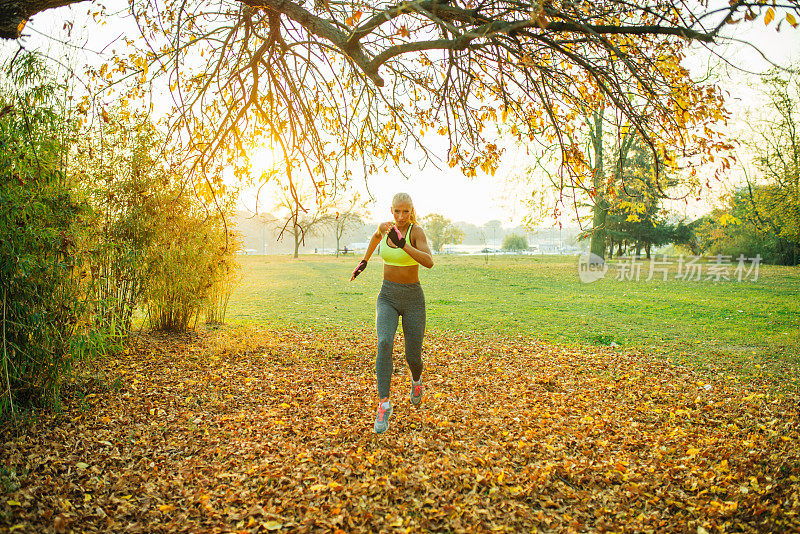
(376, 239)
(373, 244)
(420, 250)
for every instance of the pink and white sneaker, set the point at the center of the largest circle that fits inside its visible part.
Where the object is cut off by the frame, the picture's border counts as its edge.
(416, 393)
(382, 419)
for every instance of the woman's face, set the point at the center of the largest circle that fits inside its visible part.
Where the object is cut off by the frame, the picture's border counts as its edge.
(401, 213)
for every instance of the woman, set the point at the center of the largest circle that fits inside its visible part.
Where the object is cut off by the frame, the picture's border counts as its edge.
(404, 248)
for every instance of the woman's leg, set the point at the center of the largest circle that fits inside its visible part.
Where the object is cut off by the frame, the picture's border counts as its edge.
(386, 323)
(414, 331)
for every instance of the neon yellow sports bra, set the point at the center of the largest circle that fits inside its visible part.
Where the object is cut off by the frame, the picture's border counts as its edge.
(396, 256)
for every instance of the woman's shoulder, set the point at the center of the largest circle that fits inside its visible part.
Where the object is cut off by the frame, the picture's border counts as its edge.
(417, 232)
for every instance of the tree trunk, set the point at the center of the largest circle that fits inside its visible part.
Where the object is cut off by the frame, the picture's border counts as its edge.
(598, 246)
(600, 210)
(647, 250)
(15, 13)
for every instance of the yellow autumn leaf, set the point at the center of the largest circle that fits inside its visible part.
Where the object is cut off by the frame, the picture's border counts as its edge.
(727, 219)
(791, 20)
(14, 503)
(769, 16)
(166, 507)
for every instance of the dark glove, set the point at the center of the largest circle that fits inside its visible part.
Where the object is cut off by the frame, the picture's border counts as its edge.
(357, 270)
(394, 237)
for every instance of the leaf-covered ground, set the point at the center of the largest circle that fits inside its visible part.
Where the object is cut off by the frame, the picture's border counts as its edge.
(253, 431)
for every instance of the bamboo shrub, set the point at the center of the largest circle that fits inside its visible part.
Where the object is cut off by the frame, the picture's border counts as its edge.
(227, 277)
(123, 171)
(190, 265)
(41, 224)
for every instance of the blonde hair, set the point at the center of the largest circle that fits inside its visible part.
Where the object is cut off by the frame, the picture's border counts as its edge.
(405, 197)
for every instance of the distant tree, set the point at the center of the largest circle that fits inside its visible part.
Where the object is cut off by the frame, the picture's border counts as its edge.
(515, 242)
(472, 233)
(441, 231)
(685, 235)
(299, 221)
(763, 216)
(734, 230)
(773, 203)
(635, 217)
(348, 215)
(599, 193)
(494, 224)
(494, 229)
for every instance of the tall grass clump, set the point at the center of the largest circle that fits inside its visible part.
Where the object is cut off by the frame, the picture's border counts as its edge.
(42, 220)
(97, 222)
(190, 267)
(119, 162)
(227, 277)
(160, 245)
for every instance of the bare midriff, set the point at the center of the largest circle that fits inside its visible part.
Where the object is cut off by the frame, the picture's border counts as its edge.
(401, 275)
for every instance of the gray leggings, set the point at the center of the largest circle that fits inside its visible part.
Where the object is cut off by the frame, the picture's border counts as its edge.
(395, 300)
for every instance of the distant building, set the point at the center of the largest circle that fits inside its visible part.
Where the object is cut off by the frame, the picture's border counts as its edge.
(357, 247)
(550, 248)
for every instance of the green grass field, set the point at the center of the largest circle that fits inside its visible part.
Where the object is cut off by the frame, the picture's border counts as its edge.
(752, 326)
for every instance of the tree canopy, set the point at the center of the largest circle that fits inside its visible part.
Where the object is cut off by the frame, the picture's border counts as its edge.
(336, 82)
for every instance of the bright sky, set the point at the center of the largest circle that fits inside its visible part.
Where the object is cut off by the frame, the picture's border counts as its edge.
(439, 190)
(444, 190)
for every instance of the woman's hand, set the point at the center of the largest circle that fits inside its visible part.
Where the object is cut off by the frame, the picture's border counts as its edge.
(361, 266)
(395, 238)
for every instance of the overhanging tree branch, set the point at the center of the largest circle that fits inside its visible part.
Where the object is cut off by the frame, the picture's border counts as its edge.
(325, 89)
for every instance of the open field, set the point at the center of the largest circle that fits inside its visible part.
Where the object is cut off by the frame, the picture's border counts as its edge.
(531, 421)
(752, 326)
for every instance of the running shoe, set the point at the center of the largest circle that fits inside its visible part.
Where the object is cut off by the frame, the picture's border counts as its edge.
(384, 413)
(416, 393)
